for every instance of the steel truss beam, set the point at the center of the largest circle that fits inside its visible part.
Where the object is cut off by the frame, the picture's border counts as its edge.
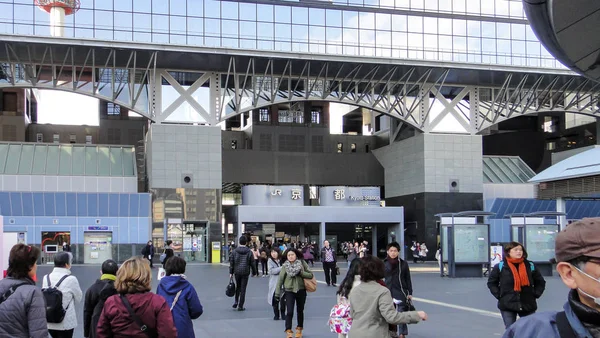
(408, 96)
(94, 73)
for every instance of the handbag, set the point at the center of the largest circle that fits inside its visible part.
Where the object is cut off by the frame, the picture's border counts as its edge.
(337, 270)
(143, 327)
(409, 305)
(310, 284)
(230, 289)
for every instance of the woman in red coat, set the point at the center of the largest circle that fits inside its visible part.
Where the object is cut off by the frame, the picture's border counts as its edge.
(147, 309)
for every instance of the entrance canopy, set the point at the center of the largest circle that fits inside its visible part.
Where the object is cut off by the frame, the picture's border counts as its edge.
(394, 216)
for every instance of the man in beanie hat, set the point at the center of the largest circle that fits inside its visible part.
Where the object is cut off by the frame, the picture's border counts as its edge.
(578, 258)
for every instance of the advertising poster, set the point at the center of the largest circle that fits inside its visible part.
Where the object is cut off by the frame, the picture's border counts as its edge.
(496, 255)
(471, 244)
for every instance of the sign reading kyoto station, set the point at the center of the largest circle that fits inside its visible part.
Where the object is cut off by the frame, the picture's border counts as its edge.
(292, 195)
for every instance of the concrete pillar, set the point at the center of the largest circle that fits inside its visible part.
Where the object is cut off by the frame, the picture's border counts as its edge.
(238, 228)
(561, 206)
(322, 233)
(302, 234)
(374, 240)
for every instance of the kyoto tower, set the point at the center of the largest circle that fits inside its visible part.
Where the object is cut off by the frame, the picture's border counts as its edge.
(58, 9)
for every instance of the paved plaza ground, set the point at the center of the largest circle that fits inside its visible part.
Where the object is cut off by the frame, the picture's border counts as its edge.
(457, 307)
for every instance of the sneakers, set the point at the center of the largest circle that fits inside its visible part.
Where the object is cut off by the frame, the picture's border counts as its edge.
(241, 308)
(235, 305)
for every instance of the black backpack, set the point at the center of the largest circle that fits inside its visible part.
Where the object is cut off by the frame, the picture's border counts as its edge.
(55, 313)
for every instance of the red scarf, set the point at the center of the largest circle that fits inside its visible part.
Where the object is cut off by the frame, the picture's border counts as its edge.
(520, 277)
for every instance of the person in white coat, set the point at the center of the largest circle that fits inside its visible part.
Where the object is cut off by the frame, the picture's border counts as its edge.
(274, 267)
(71, 292)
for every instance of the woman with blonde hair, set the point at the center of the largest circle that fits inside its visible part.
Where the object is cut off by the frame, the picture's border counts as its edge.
(135, 311)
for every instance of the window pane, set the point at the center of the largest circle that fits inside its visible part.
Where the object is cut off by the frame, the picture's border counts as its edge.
(39, 159)
(26, 159)
(116, 162)
(103, 161)
(65, 164)
(12, 162)
(78, 160)
(60, 204)
(3, 154)
(91, 161)
(128, 161)
(52, 161)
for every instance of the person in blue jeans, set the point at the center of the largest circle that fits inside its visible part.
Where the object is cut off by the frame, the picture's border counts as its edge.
(180, 296)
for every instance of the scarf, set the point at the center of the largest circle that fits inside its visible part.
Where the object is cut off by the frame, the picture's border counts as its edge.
(107, 276)
(394, 262)
(293, 269)
(520, 277)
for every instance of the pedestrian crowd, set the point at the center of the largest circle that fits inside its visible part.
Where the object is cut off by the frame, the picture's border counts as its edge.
(374, 298)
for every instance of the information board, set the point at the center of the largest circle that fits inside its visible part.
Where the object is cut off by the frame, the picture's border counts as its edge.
(539, 241)
(471, 244)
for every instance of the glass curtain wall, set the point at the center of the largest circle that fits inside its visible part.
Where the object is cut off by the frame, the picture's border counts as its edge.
(473, 31)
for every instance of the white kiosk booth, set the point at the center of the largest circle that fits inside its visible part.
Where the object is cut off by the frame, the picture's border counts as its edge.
(465, 242)
(537, 232)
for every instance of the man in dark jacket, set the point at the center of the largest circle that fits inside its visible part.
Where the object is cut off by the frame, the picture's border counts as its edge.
(577, 251)
(329, 261)
(148, 252)
(96, 295)
(397, 279)
(240, 263)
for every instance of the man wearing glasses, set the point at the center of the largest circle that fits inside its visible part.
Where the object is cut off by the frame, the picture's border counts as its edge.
(578, 258)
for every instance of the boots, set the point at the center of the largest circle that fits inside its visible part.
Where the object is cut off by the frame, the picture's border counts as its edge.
(298, 332)
(289, 334)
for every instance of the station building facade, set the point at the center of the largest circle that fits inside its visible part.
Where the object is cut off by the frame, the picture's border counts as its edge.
(195, 169)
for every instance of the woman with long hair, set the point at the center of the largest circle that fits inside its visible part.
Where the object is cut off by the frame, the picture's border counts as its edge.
(134, 306)
(274, 270)
(516, 284)
(293, 273)
(23, 312)
(351, 280)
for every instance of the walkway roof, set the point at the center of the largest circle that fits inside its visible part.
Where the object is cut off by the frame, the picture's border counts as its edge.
(583, 164)
(67, 160)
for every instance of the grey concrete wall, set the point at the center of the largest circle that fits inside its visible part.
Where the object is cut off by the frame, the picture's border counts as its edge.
(174, 151)
(563, 155)
(64, 132)
(273, 167)
(429, 162)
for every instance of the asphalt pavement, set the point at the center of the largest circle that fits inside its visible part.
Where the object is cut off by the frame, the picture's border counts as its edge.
(456, 307)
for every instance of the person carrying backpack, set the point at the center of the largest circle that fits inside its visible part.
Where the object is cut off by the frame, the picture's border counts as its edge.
(181, 297)
(96, 295)
(516, 284)
(61, 290)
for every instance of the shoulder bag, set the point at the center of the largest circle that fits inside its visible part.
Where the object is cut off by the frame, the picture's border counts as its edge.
(309, 284)
(564, 327)
(151, 333)
(10, 292)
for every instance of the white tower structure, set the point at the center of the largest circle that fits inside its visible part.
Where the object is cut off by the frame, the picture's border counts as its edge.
(58, 9)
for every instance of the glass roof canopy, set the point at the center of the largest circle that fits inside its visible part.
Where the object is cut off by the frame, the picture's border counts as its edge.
(67, 160)
(506, 169)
